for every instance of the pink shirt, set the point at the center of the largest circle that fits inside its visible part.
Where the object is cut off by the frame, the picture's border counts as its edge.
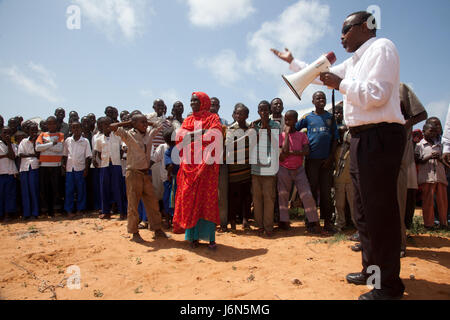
(296, 142)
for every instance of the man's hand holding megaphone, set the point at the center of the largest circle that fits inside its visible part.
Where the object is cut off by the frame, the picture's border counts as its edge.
(329, 79)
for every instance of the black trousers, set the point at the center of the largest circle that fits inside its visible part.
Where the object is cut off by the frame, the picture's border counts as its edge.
(376, 156)
(321, 181)
(239, 201)
(50, 189)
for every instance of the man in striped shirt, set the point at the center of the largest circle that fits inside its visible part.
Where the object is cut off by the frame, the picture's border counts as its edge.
(158, 118)
(50, 145)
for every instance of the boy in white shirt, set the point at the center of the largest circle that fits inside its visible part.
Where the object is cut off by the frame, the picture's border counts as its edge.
(75, 164)
(29, 173)
(107, 147)
(8, 170)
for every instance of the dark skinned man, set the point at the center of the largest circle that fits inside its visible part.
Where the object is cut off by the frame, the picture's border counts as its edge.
(369, 82)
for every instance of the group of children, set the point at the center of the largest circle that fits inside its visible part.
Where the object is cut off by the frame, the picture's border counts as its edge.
(106, 166)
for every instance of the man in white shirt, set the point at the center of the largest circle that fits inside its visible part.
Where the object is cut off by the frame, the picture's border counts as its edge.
(107, 147)
(8, 170)
(76, 161)
(446, 139)
(369, 82)
(29, 174)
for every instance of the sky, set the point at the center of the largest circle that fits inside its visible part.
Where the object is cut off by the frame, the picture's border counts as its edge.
(127, 53)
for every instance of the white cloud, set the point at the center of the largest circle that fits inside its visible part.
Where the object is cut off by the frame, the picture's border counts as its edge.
(110, 16)
(41, 84)
(299, 27)
(438, 109)
(214, 13)
(47, 76)
(225, 67)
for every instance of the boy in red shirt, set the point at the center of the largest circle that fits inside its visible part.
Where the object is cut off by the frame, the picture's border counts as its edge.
(294, 146)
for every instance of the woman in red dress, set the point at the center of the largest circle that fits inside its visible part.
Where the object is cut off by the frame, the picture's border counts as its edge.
(196, 202)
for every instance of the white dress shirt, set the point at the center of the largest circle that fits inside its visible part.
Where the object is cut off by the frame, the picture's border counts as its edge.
(76, 152)
(370, 85)
(7, 166)
(158, 157)
(446, 136)
(109, 148)
(27, 147)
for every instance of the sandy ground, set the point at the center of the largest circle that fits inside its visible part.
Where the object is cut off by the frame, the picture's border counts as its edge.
(34, 257)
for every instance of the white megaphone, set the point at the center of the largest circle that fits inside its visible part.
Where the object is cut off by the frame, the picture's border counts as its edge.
(300, 80)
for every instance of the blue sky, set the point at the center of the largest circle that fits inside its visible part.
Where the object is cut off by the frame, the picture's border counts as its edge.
(127, 53)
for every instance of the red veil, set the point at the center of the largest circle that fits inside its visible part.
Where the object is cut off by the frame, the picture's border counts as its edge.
(197, 193)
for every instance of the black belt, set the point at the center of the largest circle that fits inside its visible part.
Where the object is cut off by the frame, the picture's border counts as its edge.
(359, 129)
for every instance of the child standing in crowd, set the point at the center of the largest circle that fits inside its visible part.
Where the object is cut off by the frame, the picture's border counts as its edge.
(294, 146)
(343, 186)
(172, 166)
(264, 172)
(239, 169)
(8, 170)
(75, 163)
(50, 146)
(431, 178)
(95, 170)
(124, 116)
(29, 173)
(107, 148)
(157, 163)
(139, 185)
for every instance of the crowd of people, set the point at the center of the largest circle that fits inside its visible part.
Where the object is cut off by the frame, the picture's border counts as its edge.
(361, 164)
(82, 165)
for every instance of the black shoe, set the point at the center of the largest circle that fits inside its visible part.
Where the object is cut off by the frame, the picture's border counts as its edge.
(329, 228)
(137, 238)
(159, 234)
(378, 295)
(357, 247)
(354, 237)
(358, 278)
(284, 225)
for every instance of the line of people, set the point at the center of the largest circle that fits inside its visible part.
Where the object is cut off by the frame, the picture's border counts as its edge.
(98, 163)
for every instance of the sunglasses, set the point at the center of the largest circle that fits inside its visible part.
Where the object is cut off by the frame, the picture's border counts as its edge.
(347, 28)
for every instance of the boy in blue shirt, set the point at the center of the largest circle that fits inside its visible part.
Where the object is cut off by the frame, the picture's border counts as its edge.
(322, 135)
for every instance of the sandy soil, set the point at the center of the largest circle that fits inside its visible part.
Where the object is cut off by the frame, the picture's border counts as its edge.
(34, 257)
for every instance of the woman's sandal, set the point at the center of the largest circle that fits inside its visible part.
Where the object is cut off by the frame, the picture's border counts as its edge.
(212, 246)
(194, 244)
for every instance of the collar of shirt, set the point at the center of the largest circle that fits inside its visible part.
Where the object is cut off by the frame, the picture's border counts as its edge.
(361, 50)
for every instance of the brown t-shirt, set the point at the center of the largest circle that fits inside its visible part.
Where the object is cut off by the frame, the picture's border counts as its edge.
(139, 147)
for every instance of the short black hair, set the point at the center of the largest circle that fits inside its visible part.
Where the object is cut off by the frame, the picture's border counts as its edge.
(263, 103)
(51, 118)
(273, 100)
(364, 16)
(432, 119)
(293, 112)
(241, 106)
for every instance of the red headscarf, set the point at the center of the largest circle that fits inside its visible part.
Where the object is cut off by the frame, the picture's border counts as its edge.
(207, 118)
